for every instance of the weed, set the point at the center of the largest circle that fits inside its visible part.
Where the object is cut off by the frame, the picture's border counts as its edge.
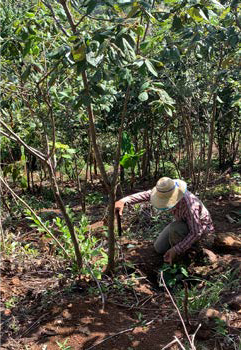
(209, 294)
(94, 198)
(91, 247)
(220, 327)
(223, 190)
(11, 302)
(64, 346)
(68, 191)
(37, 203)
(173, 274)
(29, 250)
(200, 299)
(14, 325)
(10, 245)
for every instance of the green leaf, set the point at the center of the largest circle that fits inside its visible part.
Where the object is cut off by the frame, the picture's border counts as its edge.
(29, 14)
(99, 89)
(91, 6)
(79, 53)
(23, 157)
(71, 150)
(219, 99)
(59, 52)
(26, 73)
(177, 23)
(197, 14)
(143, 96)
(23, 182)
(27, 48)
(217, 4)
(151, 68)
(97, 76)
(93, 60)
(128, 50)
(134, 10)
(184, 271)
(174, 54)
(83, 99)
(145, 86)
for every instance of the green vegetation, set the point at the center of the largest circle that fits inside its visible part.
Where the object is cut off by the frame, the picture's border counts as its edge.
(172, 67)
(100, 98)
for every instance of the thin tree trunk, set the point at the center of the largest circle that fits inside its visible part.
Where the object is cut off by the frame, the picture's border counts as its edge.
(110, 185)
(211, 138)
(62, 208)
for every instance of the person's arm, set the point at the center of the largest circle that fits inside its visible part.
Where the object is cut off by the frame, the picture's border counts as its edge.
(132, 199)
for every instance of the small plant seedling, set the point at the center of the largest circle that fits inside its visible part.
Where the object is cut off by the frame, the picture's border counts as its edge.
(172, 274)
(64, 346)
(11, 302)
(221, 327)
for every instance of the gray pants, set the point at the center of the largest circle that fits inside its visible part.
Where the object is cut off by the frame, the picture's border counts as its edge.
(172, 234)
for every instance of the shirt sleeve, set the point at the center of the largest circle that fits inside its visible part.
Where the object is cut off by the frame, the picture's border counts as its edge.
(137, 197)
(192, 218)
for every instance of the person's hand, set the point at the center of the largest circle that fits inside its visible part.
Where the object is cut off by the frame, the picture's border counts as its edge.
(169, 256)
(119, 206)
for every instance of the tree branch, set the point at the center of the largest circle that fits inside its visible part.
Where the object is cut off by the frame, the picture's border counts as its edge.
(31, 150)
(55, 18)
(68, 14)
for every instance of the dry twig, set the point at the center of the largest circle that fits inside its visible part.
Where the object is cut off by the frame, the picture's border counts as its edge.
(121, 332)
(190, 338)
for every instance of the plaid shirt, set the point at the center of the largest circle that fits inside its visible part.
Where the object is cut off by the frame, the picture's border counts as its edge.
(190, 210)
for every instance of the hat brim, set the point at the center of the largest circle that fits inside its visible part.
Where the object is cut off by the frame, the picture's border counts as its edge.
(160, 202)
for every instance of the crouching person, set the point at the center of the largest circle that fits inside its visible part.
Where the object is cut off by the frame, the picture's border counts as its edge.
(191, 218)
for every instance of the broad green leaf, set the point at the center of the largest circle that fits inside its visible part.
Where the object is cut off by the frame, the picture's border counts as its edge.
(93, 60)
(197, 14)
(59, 52)
(79, 54)
(151, 68)
(217, 4)
(134, 10)
(71, 150)
(23, 182)
(139, 29)
(128, 50)
(175, 54)
(91, 6)
(26, 73)
(219, 99)
(27, 48)
(176, 23)
(143, 96)
(29, 14)
(35, 50)
(145, 86)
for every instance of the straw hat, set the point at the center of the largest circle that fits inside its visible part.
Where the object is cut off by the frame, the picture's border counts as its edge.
(167, 193)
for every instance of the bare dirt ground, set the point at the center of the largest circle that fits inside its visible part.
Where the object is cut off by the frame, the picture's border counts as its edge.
(43, 307)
